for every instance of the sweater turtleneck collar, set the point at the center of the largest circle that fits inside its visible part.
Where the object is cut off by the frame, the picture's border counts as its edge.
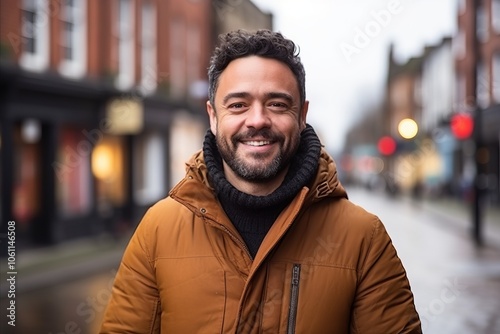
(302, 169)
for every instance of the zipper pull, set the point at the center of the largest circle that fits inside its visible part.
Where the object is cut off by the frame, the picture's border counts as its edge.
(294, 299)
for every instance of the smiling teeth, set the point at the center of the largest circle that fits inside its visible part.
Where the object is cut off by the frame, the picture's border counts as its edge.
(258, 143)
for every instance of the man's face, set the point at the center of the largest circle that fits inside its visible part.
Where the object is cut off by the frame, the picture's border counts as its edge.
(257, 118)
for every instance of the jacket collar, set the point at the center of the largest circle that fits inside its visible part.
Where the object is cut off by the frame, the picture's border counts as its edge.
(195, 190)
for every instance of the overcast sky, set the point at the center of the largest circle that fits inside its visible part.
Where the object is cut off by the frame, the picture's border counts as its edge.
(344, 48)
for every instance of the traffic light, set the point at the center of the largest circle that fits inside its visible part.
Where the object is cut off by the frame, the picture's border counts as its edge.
(386, 145)
(462, 126)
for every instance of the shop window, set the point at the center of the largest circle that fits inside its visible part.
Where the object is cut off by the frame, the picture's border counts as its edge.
(73, 38)
(26, 172)
(126, 51)
(150, 169)
(35, 35)
(108, 166)
(73, 177)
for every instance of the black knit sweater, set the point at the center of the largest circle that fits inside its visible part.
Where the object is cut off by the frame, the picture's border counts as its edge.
(253, 215)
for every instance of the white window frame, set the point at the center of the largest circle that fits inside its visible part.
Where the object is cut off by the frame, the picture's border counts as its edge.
(152, 168)
(177, 58)
(193, 53)
(149, 76)
(38, 60)
(495, 75)
(482, 29)
(461, 6)
(197, 86)
(495, 15)
(125, 34)
(458, 43)
(76, 15)
(460, 94)
(186, 134)
(483, 85)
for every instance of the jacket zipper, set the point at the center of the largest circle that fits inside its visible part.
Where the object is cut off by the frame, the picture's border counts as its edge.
(237, 240)
(294, 299)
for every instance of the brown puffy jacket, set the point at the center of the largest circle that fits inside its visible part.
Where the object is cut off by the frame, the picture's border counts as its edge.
(326, 266)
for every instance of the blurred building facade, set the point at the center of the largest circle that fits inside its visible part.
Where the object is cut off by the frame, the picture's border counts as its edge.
(404, 101)
(238, 14)
(460, 75)
(478, 90)
(101, 103)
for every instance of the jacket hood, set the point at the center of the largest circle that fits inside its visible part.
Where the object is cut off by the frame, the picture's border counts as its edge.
(324, 184)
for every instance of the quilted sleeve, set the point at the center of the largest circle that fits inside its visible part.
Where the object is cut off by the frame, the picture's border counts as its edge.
(134, 306)
(384, 301)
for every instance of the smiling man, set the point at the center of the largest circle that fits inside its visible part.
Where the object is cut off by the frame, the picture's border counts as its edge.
(260, 237)
(257, 116)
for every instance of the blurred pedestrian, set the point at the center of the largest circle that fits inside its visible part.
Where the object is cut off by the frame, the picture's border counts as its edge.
(260, 237)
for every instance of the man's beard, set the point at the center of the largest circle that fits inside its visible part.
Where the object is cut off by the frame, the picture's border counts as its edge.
(257, 172)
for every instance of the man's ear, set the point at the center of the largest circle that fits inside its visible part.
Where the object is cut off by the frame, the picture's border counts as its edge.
(303, 115)
(212, 117)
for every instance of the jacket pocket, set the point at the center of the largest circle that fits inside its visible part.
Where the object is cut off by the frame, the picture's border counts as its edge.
(294, 299)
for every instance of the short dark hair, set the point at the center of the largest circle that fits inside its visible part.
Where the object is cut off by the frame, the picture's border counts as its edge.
(263, 43)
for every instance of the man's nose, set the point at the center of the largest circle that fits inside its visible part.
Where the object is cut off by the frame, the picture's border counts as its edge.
(258, 117)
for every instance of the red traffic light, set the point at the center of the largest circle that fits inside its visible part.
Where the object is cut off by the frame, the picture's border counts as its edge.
(462, 126)
(386, 145)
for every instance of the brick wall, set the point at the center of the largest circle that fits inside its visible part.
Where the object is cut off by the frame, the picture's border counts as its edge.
(10, 29)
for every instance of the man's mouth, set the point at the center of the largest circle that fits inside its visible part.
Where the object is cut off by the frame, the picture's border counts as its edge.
(258, 142)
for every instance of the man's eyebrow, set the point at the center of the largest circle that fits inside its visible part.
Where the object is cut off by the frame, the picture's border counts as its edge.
(235, 95)
(285, 96)
(270, 95)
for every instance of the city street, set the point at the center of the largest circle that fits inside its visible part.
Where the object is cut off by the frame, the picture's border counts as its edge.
(456, 285)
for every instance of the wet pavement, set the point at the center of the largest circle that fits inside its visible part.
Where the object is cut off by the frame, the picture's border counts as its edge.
(456, 284)
(75, 307)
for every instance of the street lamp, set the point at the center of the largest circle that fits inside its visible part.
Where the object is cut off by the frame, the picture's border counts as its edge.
(102, 162)
(408, 128)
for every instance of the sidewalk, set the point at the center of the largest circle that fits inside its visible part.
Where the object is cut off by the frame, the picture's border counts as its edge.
(39, 268)
(42, 267)
(459, 215)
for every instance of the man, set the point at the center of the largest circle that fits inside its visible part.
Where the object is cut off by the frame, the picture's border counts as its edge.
(259, 237)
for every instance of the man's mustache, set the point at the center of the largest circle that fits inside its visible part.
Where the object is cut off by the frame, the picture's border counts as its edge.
(265, 134)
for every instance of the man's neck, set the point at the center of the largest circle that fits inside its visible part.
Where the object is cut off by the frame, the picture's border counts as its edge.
(254, 188)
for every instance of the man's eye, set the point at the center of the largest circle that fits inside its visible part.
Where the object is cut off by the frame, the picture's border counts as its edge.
(278, 106)
(236, 106)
